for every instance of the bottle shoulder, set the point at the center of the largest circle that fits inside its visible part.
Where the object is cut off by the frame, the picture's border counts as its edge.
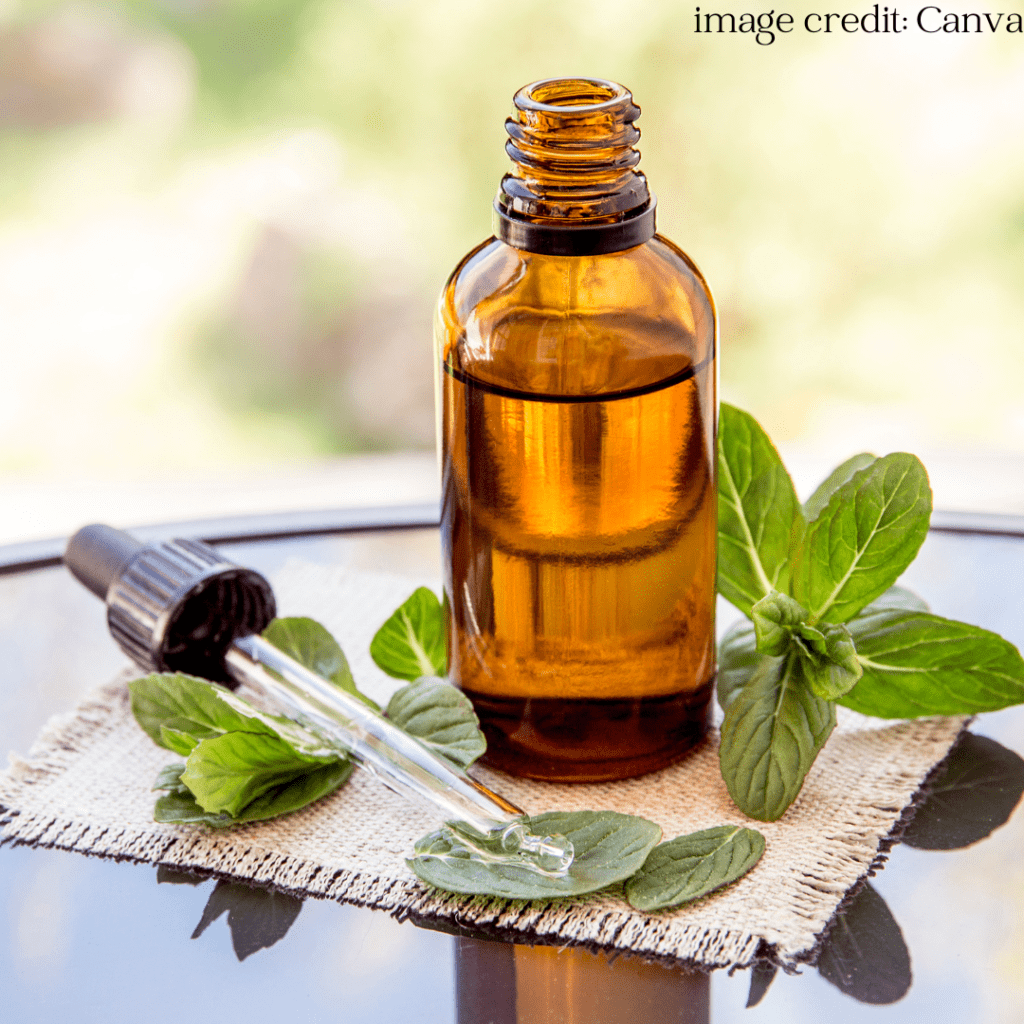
(576, 324)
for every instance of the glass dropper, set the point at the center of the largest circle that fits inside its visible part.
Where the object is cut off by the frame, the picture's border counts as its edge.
(178, 606)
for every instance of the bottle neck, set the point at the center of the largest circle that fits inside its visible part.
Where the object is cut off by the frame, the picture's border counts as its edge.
(573, 189)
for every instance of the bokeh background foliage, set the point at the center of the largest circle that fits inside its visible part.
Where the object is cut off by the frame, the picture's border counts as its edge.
(223, 223)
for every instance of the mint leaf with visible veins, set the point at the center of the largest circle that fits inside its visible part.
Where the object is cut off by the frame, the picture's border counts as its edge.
(441, 717)
(860, 543)
(412, 641)
(688, 867)
(772, 732)
(189, 706)
(915, 663)
(313, 647)
(226, 773)
(758, 512)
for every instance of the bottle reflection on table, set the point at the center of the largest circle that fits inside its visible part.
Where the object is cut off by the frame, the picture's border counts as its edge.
(500, 983)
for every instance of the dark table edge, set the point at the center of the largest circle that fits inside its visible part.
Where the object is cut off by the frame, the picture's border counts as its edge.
(42, 554)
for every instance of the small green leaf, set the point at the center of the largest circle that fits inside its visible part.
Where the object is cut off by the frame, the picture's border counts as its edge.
(180, 742)
(177, 710)
(895, 597)
(775, 616)
(412, 642)
(758, 512)
(828, 680)
(840, 649)
(738, 657)
(313, 647)
(918, 664)
(189, 706)
(226, 773)
(179, 806)
(609, 847)
(440, 717)
(840, 475)
(169, 778)
(867, 534)
(772, 732)
(689, 867)
(293, 795)
(830, 659)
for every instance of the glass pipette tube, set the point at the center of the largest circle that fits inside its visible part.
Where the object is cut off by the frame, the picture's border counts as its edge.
(482, 820)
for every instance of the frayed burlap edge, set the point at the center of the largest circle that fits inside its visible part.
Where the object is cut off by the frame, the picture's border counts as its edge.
(599, 923)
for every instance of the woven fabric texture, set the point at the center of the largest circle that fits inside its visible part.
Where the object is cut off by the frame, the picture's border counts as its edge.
(85, 786)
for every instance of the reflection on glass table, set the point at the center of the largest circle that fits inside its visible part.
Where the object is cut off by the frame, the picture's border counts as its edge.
(937, 935)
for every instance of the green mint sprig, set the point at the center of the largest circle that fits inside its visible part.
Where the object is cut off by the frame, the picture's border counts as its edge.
(828, 626)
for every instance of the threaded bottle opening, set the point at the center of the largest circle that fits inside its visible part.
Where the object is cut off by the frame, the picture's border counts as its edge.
(571, 142)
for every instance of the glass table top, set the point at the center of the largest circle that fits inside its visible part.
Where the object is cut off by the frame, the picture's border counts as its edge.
(937, 935)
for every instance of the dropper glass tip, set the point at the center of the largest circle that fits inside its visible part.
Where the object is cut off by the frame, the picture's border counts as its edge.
(550, 854)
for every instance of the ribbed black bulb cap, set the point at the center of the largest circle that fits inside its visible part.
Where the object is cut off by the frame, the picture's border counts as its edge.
(174, 606)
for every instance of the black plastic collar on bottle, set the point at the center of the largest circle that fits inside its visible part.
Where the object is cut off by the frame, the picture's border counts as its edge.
(576, 239)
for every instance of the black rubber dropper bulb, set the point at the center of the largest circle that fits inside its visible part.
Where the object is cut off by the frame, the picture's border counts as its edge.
(175, 606)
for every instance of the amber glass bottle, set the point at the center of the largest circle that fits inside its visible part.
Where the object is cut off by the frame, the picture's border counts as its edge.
(577, 406)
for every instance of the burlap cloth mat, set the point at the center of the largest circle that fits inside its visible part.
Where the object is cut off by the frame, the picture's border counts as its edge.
(86, 786)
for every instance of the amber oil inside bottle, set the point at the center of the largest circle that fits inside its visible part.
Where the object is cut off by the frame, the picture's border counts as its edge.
(577, 427)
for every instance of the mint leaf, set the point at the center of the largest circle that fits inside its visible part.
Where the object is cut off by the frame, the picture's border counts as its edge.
(609, 847)
(918, 664)
(186, 705)
(758, 512)
(313, 647)
(738, 657)
(179, 806)
(180, 742)
(169, 778)
(772, 732)
(178, 711)
(832, 667)
(225, 773)
(441, 718)
(895, 597)
(412, 642)
(689, 867)
(774, 617)
(867, 534)
(839, 476)
(830, 659)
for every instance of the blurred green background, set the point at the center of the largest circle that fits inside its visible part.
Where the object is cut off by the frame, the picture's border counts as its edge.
(224, 223)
